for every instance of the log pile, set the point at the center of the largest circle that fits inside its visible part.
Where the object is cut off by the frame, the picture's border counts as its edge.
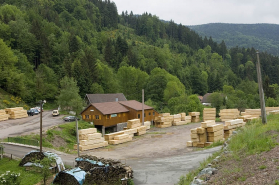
(163, 120)
(206, 134)
(3, 115)
(274, 112)
(195, 117)
(231, 125)
(252, 112)
(102, 171)
(228, 114)
(31, 157)
(17, 112)
(209, 114)
(90, 139)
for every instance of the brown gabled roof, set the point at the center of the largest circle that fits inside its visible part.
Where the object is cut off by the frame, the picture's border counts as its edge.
(206, 98)
(134, 105)
(110, 107)
(100, 98)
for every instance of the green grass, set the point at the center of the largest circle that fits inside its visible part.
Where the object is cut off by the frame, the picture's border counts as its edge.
(26, 177)
(67, 131)
(262, 167)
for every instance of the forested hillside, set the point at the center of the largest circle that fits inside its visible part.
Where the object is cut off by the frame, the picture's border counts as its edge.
(263, 37)
(55, 49)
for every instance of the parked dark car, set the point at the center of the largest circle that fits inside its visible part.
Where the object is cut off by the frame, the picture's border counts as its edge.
(70, 118)
(32, 112)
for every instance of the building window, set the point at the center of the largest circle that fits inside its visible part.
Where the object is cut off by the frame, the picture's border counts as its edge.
(86, 116)
(149, 113)
(97, 116)
(113, 115)
(108, 116)
(138, 115)
(153, 113)
(144, 115)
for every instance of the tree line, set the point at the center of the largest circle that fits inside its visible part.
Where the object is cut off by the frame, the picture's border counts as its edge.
(88, 46)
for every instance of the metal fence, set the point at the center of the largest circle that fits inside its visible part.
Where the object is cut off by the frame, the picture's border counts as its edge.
(23, 141)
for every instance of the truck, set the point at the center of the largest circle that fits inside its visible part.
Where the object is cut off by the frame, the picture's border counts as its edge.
(55, 113)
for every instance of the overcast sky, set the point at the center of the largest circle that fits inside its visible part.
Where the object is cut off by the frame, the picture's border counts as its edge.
(194, 12)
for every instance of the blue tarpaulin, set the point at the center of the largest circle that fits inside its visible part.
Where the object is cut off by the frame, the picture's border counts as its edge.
(78, 174)
(92, 161)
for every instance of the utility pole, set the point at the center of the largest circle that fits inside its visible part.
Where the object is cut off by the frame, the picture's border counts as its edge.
(142, 106)
(77, 136)
(41, 124)
(261, 93)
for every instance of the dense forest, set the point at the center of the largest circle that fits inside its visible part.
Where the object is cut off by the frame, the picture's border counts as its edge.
(62, 50)
(263, 37)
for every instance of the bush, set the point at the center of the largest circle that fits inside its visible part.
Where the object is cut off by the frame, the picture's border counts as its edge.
(10, 178)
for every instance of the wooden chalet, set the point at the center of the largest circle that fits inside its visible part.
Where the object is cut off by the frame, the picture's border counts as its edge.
(109, 114)
(100, 98)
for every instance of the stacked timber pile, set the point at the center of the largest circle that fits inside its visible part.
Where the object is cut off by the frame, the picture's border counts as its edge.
(134, 127)
(90, 139)
(228, 114)
(209, 114)
(274, 112)
(147, 124)
(17, 112)
(195, 117)
(102, 171)
(252, 112)
(205, 135)
(3, 115)
(231, 125)
(163, 120)
(271, 110)
(181, 119)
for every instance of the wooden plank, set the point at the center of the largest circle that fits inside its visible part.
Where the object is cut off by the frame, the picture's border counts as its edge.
(111, 135)
(189, 143)
(201, 130)
(214, 139)
(203, 137)
(214, 128)
(89, 147)
(116, 142)
(87, 131)
(208, 144)
(194, 113)
(205, 124)
(200, 145)
(195, 143)
(120, 137)
(214, 134)
(193, 136)
(140, 133)
(194, 131)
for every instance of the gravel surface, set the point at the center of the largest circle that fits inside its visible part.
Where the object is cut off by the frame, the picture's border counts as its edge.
(29, 125)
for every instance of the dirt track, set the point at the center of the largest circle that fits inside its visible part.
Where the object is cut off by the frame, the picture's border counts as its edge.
(31, 124)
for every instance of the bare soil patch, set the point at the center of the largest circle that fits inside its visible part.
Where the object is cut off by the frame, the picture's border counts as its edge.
(254, 169)
(58, 142)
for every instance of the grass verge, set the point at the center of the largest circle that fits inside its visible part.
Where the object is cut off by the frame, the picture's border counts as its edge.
(26, 177)
(254, 138)
(62, 137)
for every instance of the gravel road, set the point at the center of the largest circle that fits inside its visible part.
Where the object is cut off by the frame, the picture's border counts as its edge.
(31, 124)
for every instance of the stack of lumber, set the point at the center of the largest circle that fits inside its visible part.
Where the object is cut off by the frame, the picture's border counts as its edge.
(90, 139)
(228, 114)
(134, 127)
(17, 112)
(195, 117)
(3, 115)
(209, 114)
(133, 123)
(205, 135)
(183, 116)
(163, 120)
(271, 110)
(252, 112)
(147, 124)
(274, 112)
(231, 125)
